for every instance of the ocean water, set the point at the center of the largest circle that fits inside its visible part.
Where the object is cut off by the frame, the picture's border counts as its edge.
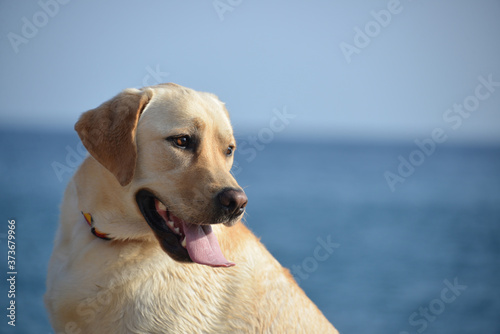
(424, 258)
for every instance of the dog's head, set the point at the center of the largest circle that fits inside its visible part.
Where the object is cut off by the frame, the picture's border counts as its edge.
(172, 148)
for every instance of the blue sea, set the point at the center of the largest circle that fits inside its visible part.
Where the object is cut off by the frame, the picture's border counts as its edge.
(424, 258)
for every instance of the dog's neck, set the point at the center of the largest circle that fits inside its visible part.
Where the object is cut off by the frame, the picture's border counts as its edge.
(108, 203)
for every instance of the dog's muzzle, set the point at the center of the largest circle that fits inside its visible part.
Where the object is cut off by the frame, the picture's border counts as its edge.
(187, 241)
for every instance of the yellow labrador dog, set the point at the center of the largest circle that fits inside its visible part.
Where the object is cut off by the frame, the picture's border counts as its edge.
(168, 252)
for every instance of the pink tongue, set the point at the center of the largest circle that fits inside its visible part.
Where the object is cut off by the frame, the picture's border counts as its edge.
(202, 246)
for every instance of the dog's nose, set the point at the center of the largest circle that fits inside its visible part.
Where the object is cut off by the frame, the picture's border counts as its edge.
(233, 200)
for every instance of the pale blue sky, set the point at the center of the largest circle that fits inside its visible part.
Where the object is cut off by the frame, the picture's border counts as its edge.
(258, 56)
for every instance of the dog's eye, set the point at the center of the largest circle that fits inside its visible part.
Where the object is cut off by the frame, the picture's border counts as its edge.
(229, 151)
(182, 141)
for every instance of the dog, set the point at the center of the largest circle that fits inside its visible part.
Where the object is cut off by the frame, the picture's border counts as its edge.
(150, 237)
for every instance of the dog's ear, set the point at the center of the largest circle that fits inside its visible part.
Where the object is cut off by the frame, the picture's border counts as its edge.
(108, 132)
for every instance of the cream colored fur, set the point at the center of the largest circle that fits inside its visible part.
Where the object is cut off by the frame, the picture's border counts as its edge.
(129, 284)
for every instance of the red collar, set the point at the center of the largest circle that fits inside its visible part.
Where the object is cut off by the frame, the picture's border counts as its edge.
(94, 230)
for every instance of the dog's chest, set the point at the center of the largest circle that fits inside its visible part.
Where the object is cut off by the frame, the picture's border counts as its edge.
(155, 294)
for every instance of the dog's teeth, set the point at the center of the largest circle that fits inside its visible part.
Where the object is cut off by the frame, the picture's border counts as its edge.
(170, 224)
(183, 242)
(176, 230)
(162, 206)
